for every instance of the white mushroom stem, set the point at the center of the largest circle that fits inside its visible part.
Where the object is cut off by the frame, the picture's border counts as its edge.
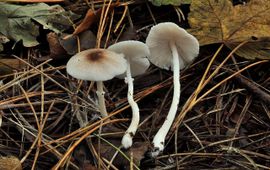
(101, 99)
(159, 138)
(130, 132)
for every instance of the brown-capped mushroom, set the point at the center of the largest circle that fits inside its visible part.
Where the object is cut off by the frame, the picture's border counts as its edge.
(97, 65)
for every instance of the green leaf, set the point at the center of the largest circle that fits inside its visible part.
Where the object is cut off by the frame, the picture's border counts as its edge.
(20, 25)
(219, 21)
(170, 2)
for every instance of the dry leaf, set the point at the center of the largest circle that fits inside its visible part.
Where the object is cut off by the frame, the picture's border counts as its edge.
(218, 21)
(129, 34)
(81, 156)
(91, 17)
(10, 163)
(256, 49)
(87, 40)
(138, 150)
(56, 50)
(8, 65)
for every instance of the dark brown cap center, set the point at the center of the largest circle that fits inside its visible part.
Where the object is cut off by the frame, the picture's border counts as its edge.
(95, 56)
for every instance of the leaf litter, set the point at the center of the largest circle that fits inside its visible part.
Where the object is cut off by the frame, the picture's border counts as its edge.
(214, 21)
(19, 19)
(223, 115)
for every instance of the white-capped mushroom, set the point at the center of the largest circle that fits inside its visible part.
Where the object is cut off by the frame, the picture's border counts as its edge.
(135, 53)
(170, 47)
(97, 65)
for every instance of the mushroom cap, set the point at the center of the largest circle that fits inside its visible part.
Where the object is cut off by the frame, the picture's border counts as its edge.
(159, 39)
(96, 65)
(136, 53)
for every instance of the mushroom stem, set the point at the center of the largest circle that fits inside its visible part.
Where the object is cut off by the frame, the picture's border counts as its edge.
(101, 99)
(159, 138)
(130, 132)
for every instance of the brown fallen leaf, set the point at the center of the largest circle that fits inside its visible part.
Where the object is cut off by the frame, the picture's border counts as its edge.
(8, 65)
(56, 50)
(129, 34)
(87, 40)
(219, 21)
(256, 49)
(80, 154)
(138, 150)
(91, 17)
(10, 163)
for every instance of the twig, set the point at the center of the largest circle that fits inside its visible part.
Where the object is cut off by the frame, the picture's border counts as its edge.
(251, 86)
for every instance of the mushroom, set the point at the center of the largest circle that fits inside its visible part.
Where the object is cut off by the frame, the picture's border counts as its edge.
(170, 47)
(135, 53)
(97, 65)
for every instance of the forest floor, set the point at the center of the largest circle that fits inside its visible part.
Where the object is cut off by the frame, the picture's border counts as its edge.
(222, 120)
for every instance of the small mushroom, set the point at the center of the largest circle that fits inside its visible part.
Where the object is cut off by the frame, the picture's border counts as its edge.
(135, 53)
(97, 65)
(170, 47)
